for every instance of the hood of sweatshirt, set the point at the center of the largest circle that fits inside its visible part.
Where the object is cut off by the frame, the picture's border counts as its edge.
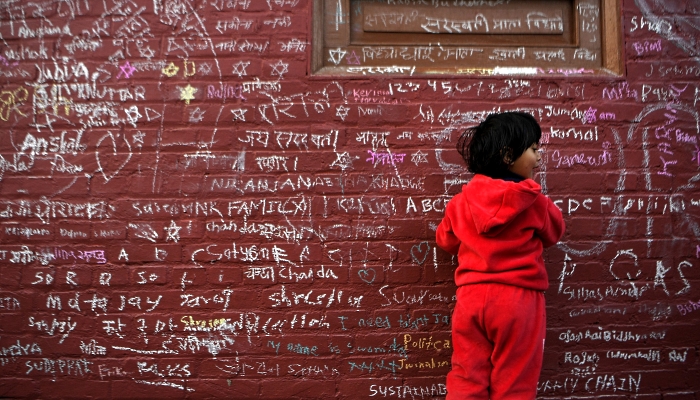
(493, 203)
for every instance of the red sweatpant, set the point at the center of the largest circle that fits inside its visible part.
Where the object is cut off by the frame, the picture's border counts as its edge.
(498, 342)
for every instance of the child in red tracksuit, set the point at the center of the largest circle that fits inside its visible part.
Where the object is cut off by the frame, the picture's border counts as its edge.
(498, 226)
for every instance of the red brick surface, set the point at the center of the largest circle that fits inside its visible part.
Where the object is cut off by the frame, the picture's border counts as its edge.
(170, 230)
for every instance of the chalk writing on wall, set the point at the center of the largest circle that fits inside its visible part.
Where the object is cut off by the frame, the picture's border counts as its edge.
(184, 211)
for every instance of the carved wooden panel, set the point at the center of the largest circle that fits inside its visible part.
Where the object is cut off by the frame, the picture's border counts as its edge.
(365, 37)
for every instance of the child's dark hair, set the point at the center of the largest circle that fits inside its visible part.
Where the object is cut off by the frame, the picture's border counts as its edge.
(500, 138)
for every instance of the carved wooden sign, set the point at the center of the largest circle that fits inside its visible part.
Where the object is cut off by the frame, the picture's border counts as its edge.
(387, 18)
(410, 37)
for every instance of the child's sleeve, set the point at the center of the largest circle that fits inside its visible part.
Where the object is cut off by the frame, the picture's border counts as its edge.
(554, 226)
(445, 237)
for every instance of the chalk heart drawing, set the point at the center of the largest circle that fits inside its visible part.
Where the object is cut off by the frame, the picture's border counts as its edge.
(109, 160)
(420, 252)
(368, 275)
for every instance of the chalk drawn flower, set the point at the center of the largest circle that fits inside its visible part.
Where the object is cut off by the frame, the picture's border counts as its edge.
(171, 70)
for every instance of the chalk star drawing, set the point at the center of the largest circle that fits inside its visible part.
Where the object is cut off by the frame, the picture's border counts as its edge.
(204, 68)
(126, 70)
(342, 161)
(337, 55)
(138, 139)
(187, 93)
(279, 69)
(342, 111)
(171, 70)
(239, 68)
(239, 114)
(196, 115)
(172, 232)
(353, 59)
(419, 157)
(146, 52)
(589, 115)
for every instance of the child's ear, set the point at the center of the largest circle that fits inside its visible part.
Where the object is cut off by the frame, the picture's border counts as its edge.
(507, 154)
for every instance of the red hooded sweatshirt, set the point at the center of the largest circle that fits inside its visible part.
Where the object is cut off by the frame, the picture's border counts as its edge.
(498, 229)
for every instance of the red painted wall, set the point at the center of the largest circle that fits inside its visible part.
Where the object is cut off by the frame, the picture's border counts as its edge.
(184, 212)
